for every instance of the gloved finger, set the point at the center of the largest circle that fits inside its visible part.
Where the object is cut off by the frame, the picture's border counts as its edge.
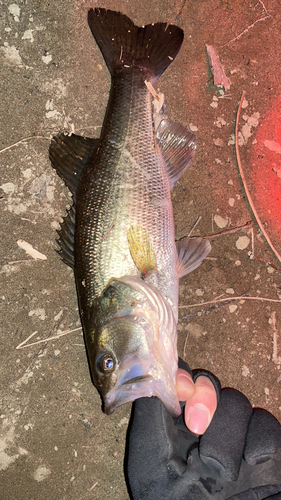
(222, 445)
(200, 408)
(263, 438)
(152, 440)
(155, 445)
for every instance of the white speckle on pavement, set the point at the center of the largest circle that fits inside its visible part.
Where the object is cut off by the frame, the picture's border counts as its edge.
(220, 221)
(196, 330)
(28, 36)
(11, 55)
(8, 188)
(41, 473)
(14, 10)
(193, 128)
(39, 312)
(47, 59)
(245, 371)
(242, 242)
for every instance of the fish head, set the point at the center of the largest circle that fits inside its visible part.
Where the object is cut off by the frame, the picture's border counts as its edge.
(133, 352)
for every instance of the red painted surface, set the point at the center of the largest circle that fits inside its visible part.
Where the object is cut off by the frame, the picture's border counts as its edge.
(263, 169)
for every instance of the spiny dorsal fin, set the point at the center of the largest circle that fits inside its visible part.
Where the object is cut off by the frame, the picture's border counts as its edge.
(69, 155)
(66, 238)
(191, 253)
(177, 145)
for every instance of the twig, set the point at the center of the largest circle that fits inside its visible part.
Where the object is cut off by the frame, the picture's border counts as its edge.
(181, 9)
(248, 225)
(262, 261)
(195, 224)
(21, 261)
(94, 485)
(21, 346)
(24, 140)
(230, 299)
(26, 340)
(263, 6)
(215, 308)
(253, 242)
(247, 29)
(245, 187)
(40, 350)
(275, 358)
(184, 347)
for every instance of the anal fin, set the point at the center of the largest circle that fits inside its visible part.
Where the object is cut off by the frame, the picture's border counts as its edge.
(177, 146)
(191, 253)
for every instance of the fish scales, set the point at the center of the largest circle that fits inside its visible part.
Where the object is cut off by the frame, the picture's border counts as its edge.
(134, 191)
(119, 234)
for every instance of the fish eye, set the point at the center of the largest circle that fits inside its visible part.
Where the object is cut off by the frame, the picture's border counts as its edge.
(107, 363)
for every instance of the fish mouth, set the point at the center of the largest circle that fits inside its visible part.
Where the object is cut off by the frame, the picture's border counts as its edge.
(136, 380)
(139, 379)
(127, 392)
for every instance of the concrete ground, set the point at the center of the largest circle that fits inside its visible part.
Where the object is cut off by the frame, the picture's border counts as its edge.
(55, 441)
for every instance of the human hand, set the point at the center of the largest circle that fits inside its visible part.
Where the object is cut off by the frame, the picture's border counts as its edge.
(201, 393)
(237, 458)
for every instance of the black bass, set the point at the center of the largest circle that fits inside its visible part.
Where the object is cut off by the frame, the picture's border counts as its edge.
(119, 234)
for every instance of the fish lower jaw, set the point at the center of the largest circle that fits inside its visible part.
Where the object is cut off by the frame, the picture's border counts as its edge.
(144, 387)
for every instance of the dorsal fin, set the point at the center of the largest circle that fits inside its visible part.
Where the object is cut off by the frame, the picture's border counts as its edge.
(177, 145)
(66, 237)
(69, 154)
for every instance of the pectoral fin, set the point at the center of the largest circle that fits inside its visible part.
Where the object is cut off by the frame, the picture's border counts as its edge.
(191, 253)
(140, 246)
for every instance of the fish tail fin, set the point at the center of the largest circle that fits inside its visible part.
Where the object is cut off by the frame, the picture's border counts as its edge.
(150, 48)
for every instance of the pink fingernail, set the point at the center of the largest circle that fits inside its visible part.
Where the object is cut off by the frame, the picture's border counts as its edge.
(198, 419)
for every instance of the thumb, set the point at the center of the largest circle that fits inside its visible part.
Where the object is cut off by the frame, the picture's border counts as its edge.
(200, 408)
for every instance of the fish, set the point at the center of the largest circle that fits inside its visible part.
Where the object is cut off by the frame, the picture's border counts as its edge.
(119, 234)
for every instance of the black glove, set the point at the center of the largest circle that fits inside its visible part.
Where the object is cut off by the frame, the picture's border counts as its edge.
(238, 457)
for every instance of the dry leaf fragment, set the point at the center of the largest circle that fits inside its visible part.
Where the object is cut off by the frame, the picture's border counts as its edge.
(219, 75)
(31, 251)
